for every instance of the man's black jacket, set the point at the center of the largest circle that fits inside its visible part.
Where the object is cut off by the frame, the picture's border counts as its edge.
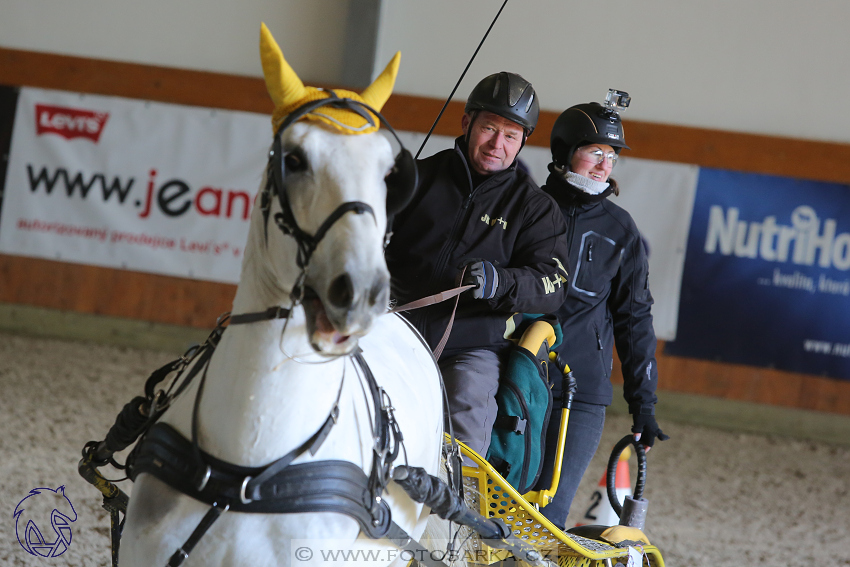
(608, 302)
(505, 219)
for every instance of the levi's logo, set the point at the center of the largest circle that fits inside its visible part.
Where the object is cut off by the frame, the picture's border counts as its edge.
(69, 122)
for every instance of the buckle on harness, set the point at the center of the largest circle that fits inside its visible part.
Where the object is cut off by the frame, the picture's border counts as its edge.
(204, 479)
(242, 489)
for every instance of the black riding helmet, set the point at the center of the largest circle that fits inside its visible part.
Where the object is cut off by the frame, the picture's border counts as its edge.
(508, 95)
(584, 124)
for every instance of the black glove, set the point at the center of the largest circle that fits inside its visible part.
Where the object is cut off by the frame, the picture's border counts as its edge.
(484, 276)
(648, 429)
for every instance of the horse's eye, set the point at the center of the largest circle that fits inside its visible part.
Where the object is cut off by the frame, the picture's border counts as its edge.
(293, 161)
(393, 170)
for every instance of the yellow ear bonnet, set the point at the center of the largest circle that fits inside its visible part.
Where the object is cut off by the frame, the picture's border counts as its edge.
(288, 92)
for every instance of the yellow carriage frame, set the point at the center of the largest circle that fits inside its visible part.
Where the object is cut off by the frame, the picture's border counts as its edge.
(488, 493)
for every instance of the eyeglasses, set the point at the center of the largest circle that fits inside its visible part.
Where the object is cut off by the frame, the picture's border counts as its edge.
(595, 155)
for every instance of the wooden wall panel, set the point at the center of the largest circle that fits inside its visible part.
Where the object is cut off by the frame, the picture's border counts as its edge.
(194, 303)
(116, 293)
(131, 80)
(748, 383)
(699, 146)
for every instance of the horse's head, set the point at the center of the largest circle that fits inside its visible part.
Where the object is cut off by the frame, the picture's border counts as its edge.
(327, 190)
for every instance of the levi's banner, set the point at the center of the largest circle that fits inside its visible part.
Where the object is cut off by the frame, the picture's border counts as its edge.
(767, 274)
(122, 183)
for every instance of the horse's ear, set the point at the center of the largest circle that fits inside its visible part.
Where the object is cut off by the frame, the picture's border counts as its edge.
(381, 88)
(282, 82)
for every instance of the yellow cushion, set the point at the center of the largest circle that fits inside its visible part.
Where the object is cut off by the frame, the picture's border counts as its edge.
(619, 535)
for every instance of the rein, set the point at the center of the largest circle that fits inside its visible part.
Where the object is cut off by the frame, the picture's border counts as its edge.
(433, 300)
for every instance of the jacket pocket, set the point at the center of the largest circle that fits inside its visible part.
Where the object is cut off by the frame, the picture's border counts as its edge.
(598, 261)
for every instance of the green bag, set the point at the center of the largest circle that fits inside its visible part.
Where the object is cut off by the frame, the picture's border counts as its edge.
(524, 400)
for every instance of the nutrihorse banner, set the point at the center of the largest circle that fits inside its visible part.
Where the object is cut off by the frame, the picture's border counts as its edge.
(767, 274)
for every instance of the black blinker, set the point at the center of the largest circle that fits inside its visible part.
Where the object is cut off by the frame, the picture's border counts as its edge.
(401, 182)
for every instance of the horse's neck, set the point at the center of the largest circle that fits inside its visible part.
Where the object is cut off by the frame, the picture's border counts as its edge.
(258, 401)
(266, 389)
(258, 287)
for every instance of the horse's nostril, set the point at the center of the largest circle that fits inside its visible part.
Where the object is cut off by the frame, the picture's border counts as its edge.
(379, 292)
(341, 291)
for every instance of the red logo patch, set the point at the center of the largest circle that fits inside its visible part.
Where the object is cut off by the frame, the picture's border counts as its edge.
(69, 122)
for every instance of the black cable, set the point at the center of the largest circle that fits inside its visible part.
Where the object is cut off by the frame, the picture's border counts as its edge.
(434, 125)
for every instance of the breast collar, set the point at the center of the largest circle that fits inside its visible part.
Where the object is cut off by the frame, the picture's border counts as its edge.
(320, 486)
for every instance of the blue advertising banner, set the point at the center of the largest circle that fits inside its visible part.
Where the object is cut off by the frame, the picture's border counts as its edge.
(767, 274)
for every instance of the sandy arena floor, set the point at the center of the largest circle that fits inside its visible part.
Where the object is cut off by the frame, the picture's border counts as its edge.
(715, 498)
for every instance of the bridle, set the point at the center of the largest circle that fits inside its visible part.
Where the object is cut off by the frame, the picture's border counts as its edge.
(401, 181)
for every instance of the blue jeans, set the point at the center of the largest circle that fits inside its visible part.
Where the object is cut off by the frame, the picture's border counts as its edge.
(583, 434)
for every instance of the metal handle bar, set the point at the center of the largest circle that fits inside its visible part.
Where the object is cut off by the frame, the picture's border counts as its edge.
(640, 484)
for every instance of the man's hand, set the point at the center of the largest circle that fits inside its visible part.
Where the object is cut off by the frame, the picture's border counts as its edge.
(484, 276)
(646, 430)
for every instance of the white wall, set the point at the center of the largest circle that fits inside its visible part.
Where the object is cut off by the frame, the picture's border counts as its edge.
(209, 35)
(777, 67)
(763, 66)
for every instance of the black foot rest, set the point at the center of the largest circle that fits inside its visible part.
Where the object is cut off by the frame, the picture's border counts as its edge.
(618, 536)
(590, 532)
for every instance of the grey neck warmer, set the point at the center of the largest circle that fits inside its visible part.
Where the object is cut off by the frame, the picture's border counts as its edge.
(585, 184)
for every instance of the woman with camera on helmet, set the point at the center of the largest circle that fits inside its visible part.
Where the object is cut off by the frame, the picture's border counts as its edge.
(608, 300)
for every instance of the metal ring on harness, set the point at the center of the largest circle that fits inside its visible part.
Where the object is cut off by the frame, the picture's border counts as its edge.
(242, 489)
(205, 479)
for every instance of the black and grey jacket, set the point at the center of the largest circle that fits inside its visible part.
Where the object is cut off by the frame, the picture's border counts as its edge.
(505, 219)
(608, 300)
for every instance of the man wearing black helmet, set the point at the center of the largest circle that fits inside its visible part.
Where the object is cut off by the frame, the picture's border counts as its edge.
(475, 209)
(608, 300)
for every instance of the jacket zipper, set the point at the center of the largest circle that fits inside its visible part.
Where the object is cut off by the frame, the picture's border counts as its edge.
(451, 243)
(571, 230)
(460, 221)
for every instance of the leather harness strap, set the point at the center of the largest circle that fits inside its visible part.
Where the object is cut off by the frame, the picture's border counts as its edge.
(275, 312)
(316, 486)
(207, 521)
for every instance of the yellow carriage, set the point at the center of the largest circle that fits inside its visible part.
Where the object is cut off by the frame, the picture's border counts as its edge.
(488, 493)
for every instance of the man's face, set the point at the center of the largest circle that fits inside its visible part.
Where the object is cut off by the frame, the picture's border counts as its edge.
(493, 141)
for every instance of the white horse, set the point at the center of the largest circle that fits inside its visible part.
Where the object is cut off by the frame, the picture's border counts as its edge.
(272, 384)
